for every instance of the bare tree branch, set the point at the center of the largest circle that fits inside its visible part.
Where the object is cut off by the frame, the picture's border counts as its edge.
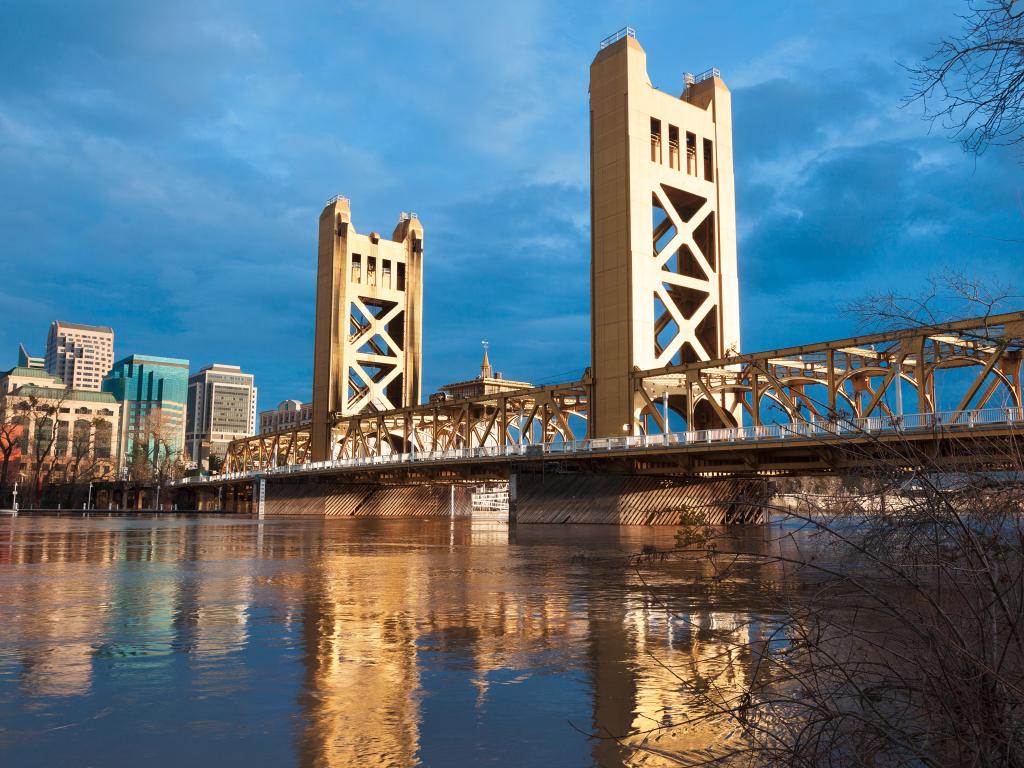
(973, 83)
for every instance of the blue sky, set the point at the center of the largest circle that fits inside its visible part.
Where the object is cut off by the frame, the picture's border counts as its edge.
(162, 167)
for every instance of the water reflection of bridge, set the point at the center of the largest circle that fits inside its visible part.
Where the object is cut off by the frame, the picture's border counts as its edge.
(389, 637)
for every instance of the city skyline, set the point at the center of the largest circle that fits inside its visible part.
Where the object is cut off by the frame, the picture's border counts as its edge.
(204, 199)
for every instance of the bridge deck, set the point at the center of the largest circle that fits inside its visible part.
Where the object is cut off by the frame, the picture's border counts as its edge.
(961, 436)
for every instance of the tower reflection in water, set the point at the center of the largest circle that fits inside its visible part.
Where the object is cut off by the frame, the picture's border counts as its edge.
(380, 625)
(371, 642)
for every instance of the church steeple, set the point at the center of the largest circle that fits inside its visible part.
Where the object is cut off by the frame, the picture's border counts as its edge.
(485, 367)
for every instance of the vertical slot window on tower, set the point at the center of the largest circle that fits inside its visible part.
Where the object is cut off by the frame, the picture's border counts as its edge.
(401, 276)
(673, 147)
(691, 153)
(371, 270)
(385, 276)
(709, 160)
(655, 140)
(357, 267)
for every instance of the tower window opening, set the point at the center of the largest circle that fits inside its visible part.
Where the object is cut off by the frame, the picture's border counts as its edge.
(709, 160)
(673, 147)
(357, 267)
(400, 281)
(371, 270)
(691, 153)
(655, 140)
(385, 278)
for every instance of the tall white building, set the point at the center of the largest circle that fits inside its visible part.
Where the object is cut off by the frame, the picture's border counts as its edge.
(221, 408)
(80, 355)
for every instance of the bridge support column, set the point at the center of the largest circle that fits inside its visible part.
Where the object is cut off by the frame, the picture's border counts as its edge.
(259, 495)
(635, 500)
(512, 498)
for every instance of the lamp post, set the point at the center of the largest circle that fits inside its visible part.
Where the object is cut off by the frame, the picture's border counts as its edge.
(14, 503)
(88, 501)
(664, 410)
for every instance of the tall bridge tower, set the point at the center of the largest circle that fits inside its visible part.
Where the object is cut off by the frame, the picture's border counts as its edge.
(664, 286)
(369, 320)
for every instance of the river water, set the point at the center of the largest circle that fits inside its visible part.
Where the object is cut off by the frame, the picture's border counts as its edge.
(210, 640)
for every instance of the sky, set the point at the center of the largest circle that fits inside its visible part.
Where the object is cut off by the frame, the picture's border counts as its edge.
(163, 166)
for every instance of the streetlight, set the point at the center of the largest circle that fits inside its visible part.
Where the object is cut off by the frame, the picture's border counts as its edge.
(14, 503)
(88, 501)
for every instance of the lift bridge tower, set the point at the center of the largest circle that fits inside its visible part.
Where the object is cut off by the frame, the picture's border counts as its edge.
(369, 321)
(664, 287)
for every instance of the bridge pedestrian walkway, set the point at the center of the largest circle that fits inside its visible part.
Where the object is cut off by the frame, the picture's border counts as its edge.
(818, 432)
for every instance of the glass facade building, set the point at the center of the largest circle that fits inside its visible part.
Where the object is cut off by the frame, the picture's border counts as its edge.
(153, 392)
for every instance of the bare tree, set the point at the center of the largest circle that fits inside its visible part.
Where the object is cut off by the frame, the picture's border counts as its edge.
(215, 463)
(947, 295)
(40, 409)
(11, 430)
(84, 463)
(974, 82)
(159, 458)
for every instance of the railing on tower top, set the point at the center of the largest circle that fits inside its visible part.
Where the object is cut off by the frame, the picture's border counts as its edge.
(691, 79)
(624, 32)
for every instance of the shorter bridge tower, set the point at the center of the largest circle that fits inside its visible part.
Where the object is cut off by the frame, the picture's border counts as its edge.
(369, 320)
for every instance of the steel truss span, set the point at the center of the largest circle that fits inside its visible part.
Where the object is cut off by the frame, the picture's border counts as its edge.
(957, 366)
(962, 377)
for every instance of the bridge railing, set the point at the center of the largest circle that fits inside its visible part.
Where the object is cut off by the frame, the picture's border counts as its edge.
(842, 428)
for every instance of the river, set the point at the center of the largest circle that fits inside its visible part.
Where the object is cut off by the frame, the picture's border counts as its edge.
(210, 640)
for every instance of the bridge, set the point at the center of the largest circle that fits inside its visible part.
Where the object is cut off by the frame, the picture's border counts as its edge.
(668, 408)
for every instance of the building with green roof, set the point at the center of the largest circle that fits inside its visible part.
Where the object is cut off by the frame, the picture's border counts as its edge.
(59, 427)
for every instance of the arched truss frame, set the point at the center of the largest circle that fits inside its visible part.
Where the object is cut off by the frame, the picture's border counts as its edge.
(269, 450)
(855, 378)
(849, 377)
(538, 416)
(542, 415)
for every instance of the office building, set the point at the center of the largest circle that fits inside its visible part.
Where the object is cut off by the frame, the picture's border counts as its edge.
(289, 414)
(81, 355)
(25, 360)
(221, 408)
(153, 392)
(71, 431)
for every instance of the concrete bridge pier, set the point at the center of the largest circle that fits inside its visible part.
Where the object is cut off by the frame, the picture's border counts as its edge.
(595, 498)
(533, 498)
